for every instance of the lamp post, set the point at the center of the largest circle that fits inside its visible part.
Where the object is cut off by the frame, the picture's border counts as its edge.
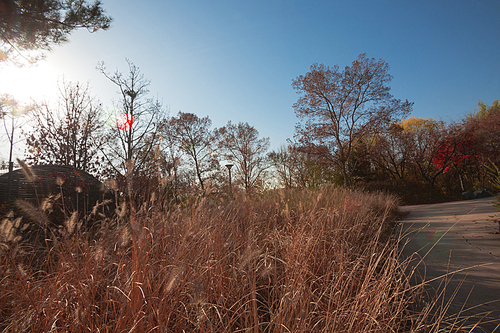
(229, 166)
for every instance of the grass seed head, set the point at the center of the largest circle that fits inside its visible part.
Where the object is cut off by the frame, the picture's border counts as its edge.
(7, 230)
(71, 223)
(33, 212)
(27, 171)
(59, 181)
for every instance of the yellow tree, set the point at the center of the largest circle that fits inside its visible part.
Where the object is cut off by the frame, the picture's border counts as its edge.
(427, 139)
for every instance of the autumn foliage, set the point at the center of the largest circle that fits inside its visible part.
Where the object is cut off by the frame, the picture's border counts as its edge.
(351, 131)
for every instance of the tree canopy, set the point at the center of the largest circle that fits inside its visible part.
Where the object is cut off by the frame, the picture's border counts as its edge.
(241, 144)
(69, 134)
(137, 116)
(196, 140)
(27, 25)
(339, 107)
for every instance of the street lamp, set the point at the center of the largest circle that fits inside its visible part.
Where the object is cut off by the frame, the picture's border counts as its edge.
(229, 166)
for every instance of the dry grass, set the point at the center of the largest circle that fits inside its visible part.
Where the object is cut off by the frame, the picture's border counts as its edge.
(290, 261)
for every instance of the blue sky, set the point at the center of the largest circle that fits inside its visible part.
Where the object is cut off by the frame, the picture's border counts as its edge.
(235, 60)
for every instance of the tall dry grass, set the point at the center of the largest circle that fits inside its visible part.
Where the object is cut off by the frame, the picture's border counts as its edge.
(288, 261)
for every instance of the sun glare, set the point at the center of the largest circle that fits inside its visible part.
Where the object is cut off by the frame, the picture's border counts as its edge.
(38, 82)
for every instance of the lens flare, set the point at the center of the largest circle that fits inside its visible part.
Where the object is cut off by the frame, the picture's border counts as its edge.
(124, 121)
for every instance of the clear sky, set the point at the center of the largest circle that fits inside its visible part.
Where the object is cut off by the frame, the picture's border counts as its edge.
(235, 60)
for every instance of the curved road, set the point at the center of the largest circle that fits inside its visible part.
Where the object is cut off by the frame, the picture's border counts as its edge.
(462, 234)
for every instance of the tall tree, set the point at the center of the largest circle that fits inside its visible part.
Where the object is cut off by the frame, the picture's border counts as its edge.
(68, 134)
(27, 25)
(11, 113)
(133, 134)
(281, 160)
(295, 167)
(484, 124)
(482, 142)
(170, 159)
(241, 144)
(10, 108)
(196, 141)
(391, 150)
(433, 148)
(338, 107)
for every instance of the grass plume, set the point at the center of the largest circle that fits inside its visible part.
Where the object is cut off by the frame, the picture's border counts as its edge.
(288, 261)
(27, 171)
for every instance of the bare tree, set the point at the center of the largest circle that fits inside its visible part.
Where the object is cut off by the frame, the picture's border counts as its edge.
(137, 138)
(391, 150)
(241, 144)
(281, 160)
(338, 107)
(69, 134)
(10, 108)
(196, 140)
(295, 167)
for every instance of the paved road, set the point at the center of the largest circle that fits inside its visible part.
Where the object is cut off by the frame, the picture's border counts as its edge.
(464, 236)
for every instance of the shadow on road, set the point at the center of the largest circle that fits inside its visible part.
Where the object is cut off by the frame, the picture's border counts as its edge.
(455, 247)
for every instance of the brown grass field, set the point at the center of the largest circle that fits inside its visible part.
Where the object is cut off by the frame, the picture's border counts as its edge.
(325, 260)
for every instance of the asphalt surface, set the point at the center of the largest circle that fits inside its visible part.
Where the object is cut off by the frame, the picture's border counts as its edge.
(458, 245)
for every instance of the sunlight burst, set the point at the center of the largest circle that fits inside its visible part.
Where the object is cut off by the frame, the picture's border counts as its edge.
(29, 83)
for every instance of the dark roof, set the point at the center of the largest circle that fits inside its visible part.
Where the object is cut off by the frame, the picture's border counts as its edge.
(78, 186)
